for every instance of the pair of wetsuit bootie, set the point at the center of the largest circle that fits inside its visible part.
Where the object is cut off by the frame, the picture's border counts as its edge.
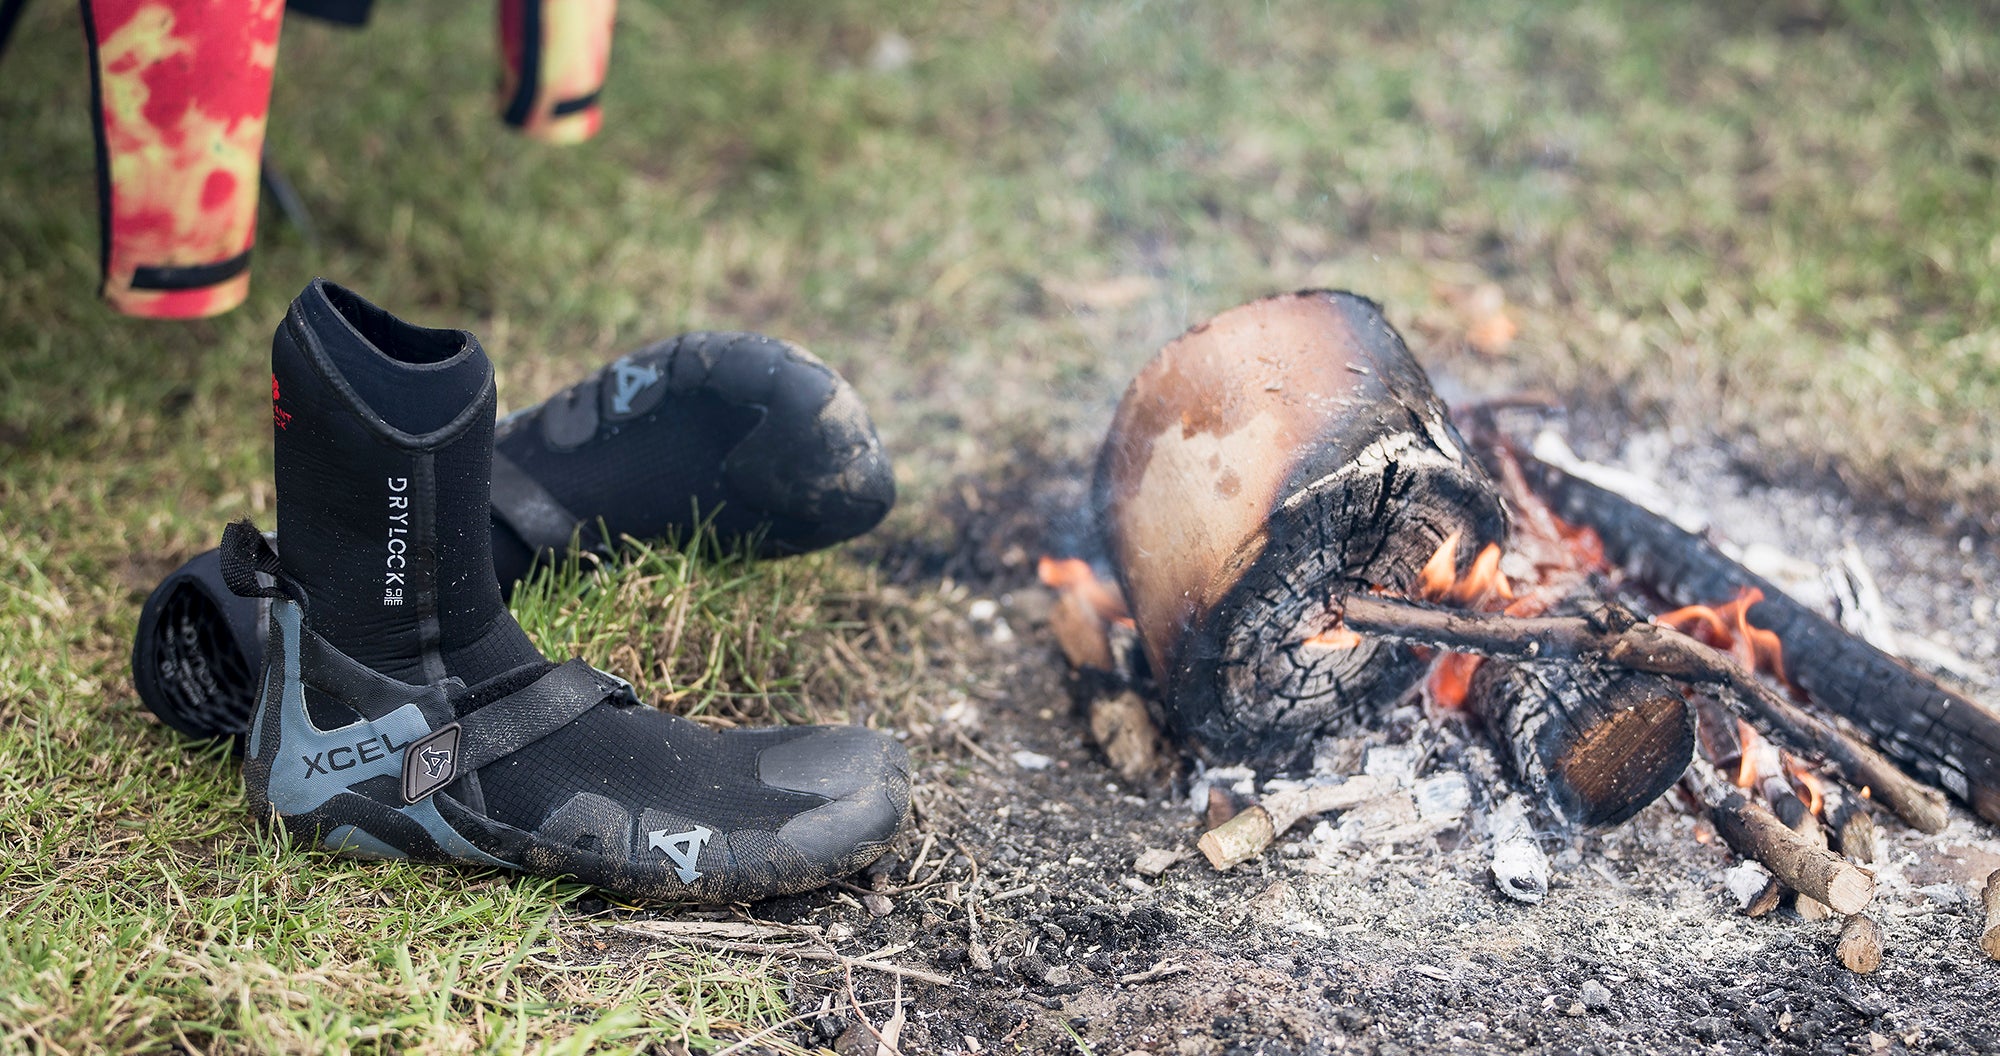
(396, 709)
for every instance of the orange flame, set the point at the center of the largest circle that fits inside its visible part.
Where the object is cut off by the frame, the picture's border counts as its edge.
(1451, 679)
(1728, 627)
(1334, 638)
(1815, 796)
(1073, 575)
(1438, 580)
(1751, 743)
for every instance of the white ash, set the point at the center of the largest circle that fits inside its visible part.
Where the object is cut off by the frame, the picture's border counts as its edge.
(1745, 881)
(1028, 760)
(1520, 869)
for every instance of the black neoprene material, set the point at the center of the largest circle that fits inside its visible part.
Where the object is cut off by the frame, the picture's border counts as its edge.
(384, 441)
(750, 435)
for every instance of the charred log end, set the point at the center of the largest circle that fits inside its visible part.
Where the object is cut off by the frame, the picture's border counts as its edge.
(1611, 771)
(1287, 451)
(1597, 744)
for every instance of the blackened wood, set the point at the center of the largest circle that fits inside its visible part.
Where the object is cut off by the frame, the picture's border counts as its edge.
(1942, 736)
(1266, 461)
(1613, 635)
(1595, 743)
(1852, 827)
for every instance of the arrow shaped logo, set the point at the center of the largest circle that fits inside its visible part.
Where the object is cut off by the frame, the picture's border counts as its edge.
(632, 380)
(681, 848)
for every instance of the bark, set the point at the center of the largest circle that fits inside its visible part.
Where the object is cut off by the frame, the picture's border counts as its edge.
(1595, 743)
(1281, 454)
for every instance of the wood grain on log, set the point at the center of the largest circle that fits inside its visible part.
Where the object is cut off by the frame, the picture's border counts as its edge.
(1942, 736)
(1282, 453)
(1594, 743)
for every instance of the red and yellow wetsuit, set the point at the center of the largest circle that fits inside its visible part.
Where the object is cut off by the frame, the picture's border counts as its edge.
(182, 90)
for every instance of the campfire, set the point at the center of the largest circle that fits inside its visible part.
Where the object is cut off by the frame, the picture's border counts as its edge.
(1299, 537)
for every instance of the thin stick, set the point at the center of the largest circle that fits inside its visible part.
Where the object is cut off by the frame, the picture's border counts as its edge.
(1752, 831)
(1614, 635)
(802, 954)
(789, 1021)
(985, 756)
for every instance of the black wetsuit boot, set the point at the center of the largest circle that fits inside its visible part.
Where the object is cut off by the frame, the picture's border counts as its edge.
(747, 437)
(402, 712)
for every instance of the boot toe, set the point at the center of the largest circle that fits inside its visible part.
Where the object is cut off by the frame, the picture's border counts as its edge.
(865, 777)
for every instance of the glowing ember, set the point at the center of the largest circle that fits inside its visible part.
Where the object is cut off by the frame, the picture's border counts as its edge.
(1336, 638)
(1439, 580)
(1451, 679)
(1752, 746)
(1728, 627)
(1073, 575)
(1804, 783)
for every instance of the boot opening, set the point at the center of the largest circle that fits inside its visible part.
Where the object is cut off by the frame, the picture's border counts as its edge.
(201, 673)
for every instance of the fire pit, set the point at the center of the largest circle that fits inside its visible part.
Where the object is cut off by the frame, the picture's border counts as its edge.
(1306, 539)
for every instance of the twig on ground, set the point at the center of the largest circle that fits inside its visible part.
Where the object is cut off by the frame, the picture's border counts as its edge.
(777, 950)
(1159, 971)
(971, 746)
(790, 1021)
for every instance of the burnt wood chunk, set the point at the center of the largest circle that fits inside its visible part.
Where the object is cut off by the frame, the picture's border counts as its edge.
(1596, 743)
(1264, 463)
(1943, 737)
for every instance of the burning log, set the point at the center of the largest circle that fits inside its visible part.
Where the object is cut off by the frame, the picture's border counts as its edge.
(1596, 743)
(1285, 452)
(1944, 737)
(1616, 636)
(1752, 831)
(1860, 945)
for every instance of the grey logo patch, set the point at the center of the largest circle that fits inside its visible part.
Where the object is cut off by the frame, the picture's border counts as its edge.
(632, 380)
(430, 763)
(681, 848)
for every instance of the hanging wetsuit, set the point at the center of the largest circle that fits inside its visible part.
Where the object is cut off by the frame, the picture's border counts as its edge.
(181, 91)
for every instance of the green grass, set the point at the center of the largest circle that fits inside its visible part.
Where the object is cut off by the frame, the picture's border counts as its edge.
(1772, 222)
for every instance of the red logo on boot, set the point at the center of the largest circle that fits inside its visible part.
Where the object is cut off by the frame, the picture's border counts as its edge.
(278, 414)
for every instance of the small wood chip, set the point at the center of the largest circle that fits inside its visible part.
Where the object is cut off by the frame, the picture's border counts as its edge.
(1860, 946)
(1155, 860)
(1157, 972)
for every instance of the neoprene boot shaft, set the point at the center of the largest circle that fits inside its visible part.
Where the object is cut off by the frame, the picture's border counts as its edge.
(384, 443)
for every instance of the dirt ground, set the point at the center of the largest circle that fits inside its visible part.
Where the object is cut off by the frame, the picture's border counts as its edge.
(1321, 947)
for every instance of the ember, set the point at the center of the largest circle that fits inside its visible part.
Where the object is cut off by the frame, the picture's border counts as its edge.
(1073, 576)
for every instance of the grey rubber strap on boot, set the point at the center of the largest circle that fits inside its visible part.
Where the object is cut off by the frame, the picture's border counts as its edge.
(528, 508)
